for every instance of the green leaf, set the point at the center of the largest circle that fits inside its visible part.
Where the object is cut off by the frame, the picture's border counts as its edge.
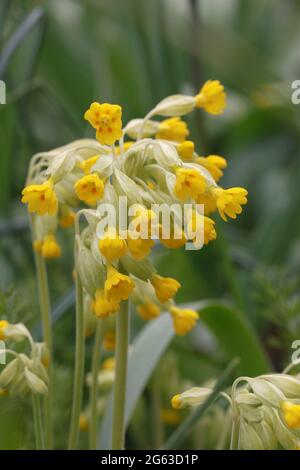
(145, 353)
(6, 138)
(235, 336)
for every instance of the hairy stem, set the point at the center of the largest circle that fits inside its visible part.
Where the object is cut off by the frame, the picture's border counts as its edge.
(118, 434)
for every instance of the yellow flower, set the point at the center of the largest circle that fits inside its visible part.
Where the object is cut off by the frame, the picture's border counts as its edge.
(229, 201)
(291, 413)
(109, 341)
(165, 287)
(3, 325)
(208, 202)
(117, 286)
(170, 417)
(50, 247)
(89, 188)
(204, 223)
(184, 320)
(37, 245)
(109, 364)
(107, 120)
(214, 164)
(148, 310)
(126, 146)
(172, 129)
(172, 242)
(139, 247)
(186, 150)
(189, 184)
(67, 220)
(40, 198)
(143, 221)
(112, 247)
(102, 306)
(4, 392)
(212, 97)
(83, 423)
(87, 164)
(176, 402)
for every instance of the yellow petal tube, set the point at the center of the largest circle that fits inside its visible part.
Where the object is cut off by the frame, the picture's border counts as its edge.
(87, 164)
(50, 248)
(184, 320)
(229, 201)
(173, 129)
(102, 306)
(186, 150)
(214, 164)
(175, 239)
(148, 310)
(202, 222)
(118, 286)
(140, 247)
(189, 184)
(211, 97)
(165, 287)
(208, 202)
(3, 325)
(40, 198)
(83, 423)
(112, 247)
(109, 341)
(291, 413)
(89, 189)
(67, 220)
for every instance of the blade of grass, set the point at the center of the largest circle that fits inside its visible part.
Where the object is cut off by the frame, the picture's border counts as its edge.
(34, 17)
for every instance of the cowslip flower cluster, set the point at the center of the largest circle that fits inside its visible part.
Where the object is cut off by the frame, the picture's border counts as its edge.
(148, 162)
(25, 373)
(265, 410)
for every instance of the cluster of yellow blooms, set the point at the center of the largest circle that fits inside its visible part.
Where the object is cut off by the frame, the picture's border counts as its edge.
(157, 166)
(266, 410)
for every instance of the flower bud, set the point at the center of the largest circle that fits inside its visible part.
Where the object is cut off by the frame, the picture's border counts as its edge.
(142, 269)
(17, 332)
(174, 105)
(166, 155)
(193, 397)
(35, 384)
(267, 392)
(249, 438)
(139, 127)
(90, 272)
(289, 385)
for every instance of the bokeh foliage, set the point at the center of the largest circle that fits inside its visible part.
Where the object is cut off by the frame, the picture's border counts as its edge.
(59, 55)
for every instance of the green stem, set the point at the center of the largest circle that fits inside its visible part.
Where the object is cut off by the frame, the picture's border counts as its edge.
(94, 386)
(158, 428)
(234, 440)
(38, 425)
(118, 433)
(79, 367)
(44, 299)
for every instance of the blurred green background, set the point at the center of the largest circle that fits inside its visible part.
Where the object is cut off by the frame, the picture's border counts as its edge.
(57, 57)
